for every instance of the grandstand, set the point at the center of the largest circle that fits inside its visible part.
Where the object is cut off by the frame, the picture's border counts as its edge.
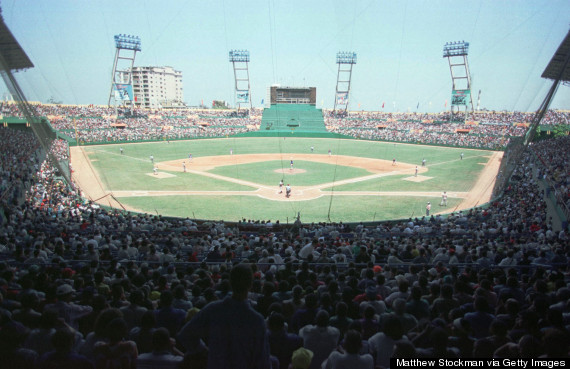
(491, 280)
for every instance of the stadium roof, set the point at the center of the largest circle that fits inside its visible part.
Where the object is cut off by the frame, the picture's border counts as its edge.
(559, 61)
(11, 51)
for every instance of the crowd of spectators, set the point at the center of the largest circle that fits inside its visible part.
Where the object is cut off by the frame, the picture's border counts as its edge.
(82, 286)
(485, 129)
(554, 159)
(106, 124)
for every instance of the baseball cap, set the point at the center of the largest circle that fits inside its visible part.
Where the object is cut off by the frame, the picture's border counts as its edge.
(301, 358)
(64, 289)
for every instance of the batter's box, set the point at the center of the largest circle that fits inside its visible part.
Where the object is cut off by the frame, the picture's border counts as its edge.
(417, 179)
(160, 175)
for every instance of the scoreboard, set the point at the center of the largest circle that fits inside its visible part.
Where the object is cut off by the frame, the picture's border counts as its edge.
(293, 95)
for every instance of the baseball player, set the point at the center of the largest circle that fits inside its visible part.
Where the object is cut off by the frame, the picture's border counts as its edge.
(291, 164)
(443, 199)
(428, 208)
(121, 150)
(416, 173)
(312, 149)
(184, 166)
(461, 156)
(423, 162)
(287, 190)
(152, 159)
(155, 170)
(281, 186)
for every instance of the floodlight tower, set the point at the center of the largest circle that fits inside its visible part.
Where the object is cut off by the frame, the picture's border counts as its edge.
(240, 62)
(456, 54)
(345, 61)
(122, 79)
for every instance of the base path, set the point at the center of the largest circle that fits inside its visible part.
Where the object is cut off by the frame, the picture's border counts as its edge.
(87, 179)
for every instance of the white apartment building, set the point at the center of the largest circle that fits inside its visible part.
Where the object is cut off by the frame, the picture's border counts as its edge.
(157, 87)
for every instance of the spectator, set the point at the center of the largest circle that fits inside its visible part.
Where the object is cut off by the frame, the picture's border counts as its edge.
(282, 344)
(66, 308)
(349, 357)
(116, 353)
(63, 357)
(167, 316)
(164, 355)
(234, 331)
(382, 343)
(320, 338)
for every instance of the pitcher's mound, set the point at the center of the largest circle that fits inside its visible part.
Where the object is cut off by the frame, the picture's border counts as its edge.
(290, 171)
(160, 175)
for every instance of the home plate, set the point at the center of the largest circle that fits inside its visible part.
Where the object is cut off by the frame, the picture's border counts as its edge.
(160, 175)
(417, 179)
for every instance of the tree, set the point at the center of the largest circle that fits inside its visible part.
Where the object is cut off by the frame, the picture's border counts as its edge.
(560, 130)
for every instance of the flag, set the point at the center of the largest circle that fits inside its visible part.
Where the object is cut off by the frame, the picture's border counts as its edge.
(382, 105)
(262, 101)
(446, 103)
(418, 106)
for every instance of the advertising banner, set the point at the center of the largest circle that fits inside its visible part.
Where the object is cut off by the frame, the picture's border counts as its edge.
(341, 98)
(460, 97)
(123, 92)
(242, 96)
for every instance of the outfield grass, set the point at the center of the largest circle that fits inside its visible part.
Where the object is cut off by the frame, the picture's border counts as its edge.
(130, 172)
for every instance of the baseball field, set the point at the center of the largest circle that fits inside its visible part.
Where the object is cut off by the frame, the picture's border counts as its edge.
(238, 178)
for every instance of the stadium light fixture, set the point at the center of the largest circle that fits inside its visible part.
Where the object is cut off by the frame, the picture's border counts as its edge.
(239, 56)
(455, 48)
(346, 57)
(128, 42)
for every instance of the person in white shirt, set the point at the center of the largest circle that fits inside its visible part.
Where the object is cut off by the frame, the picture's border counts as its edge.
(348, 355)
(321, 338)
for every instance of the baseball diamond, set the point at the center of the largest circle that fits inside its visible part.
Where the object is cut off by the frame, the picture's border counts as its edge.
(360, 180)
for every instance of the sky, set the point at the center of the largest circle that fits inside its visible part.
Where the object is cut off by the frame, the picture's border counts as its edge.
(398, 44)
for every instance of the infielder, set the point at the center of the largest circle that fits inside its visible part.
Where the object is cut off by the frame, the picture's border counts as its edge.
(443, 199)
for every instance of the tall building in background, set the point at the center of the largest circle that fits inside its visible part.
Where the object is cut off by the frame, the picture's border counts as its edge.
(157, 87)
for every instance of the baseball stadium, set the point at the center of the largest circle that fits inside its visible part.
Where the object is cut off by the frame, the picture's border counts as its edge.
(145, 232)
